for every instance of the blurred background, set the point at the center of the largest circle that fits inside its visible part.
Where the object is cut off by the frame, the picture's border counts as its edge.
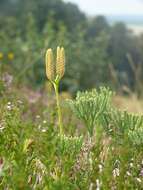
(103, 41)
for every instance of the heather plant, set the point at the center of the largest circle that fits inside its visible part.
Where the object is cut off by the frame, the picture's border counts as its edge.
(121, 123)
(90, 106)
(70, 143)
(136, 137)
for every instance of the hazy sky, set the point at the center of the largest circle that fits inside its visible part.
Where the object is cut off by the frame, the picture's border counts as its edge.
(110, 6)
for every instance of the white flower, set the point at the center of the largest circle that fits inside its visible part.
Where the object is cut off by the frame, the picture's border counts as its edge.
(100, 168)
(44, 121)
(44, 130)
(37, 116)
(1, 128)
(116, 172)
(138, 179)
(98, 184)
(91, 186)
(128, 173)
(9, 103)
(131, 164)
(9, 107)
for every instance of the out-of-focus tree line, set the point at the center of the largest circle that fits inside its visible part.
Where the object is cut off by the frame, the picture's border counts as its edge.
(96, 52)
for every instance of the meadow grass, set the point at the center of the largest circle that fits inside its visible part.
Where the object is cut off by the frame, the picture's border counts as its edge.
(84, 143)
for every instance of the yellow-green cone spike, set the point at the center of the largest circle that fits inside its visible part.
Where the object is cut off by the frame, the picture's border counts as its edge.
(60, 64)
(55, 72)
(50, 65)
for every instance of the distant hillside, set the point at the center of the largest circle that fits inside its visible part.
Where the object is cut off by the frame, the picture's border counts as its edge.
(133, 22)
(128, 19)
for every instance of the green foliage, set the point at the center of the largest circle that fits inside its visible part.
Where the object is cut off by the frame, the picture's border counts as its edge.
(136, 137)
(121, 122)
(2, 87)
(34, 156)
(66, 144)
(45, 159)
(58, 23)
(90, 106)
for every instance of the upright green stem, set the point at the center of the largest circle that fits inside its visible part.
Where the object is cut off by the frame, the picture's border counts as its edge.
(56, 87)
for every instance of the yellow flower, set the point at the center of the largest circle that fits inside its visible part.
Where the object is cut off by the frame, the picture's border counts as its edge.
(1, 55)
(10, 56)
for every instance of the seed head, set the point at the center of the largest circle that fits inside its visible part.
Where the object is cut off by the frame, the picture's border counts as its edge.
(49, 65)
(60, 63)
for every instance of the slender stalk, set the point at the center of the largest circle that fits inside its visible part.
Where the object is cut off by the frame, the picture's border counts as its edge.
(56, 87)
